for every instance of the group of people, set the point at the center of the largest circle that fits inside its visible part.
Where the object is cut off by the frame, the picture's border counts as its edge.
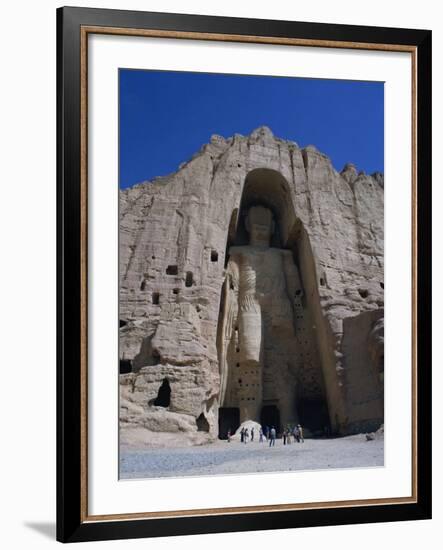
(244, 435)
(288, 433)
(296, 432)
(270, 434)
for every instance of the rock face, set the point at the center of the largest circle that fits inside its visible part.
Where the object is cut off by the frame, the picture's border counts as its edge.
(310, 346)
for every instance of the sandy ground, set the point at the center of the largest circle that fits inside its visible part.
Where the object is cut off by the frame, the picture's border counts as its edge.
(222, 457)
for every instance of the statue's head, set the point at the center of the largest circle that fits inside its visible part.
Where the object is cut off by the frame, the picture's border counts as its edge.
(260, 225)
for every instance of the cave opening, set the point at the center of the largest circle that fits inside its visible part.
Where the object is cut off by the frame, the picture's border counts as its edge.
(189, 279)
(163, 398)
(313, 415)
(270, 418)
(363, 293)
(202, 423)
(228, 420)
(125, 366)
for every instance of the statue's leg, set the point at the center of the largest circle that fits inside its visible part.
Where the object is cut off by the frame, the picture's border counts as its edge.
(250, 359)
(250, 334)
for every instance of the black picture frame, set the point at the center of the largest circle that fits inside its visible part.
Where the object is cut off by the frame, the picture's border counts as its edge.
(72, 523)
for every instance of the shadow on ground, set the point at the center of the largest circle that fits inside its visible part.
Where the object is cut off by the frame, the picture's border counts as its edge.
(45, 529)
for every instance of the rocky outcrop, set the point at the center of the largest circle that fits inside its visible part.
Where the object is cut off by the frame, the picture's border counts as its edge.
(175, 237)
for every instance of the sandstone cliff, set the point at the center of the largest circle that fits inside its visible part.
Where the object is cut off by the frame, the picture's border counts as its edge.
(175, 233)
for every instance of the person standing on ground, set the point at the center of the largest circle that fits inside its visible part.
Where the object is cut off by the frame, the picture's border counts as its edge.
(242, 435)
(252, 435)
(297, 434)
(285, 435)
(260, 435)
(288, 433)
(246, 435)
(273, 435)
(300, 431)
(267, 433)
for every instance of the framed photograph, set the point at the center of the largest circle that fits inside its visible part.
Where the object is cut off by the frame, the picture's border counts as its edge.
(244, 274)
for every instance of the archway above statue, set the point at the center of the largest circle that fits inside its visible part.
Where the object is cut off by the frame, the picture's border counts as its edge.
(268, 188)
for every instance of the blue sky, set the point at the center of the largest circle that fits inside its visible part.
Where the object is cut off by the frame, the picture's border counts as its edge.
(165, 117)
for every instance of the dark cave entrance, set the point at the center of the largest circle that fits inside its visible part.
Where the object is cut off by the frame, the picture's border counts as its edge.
(313, 416)
(125, 366)
(202, 423)
(163, 398)
(228, 419)
(270, 417)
